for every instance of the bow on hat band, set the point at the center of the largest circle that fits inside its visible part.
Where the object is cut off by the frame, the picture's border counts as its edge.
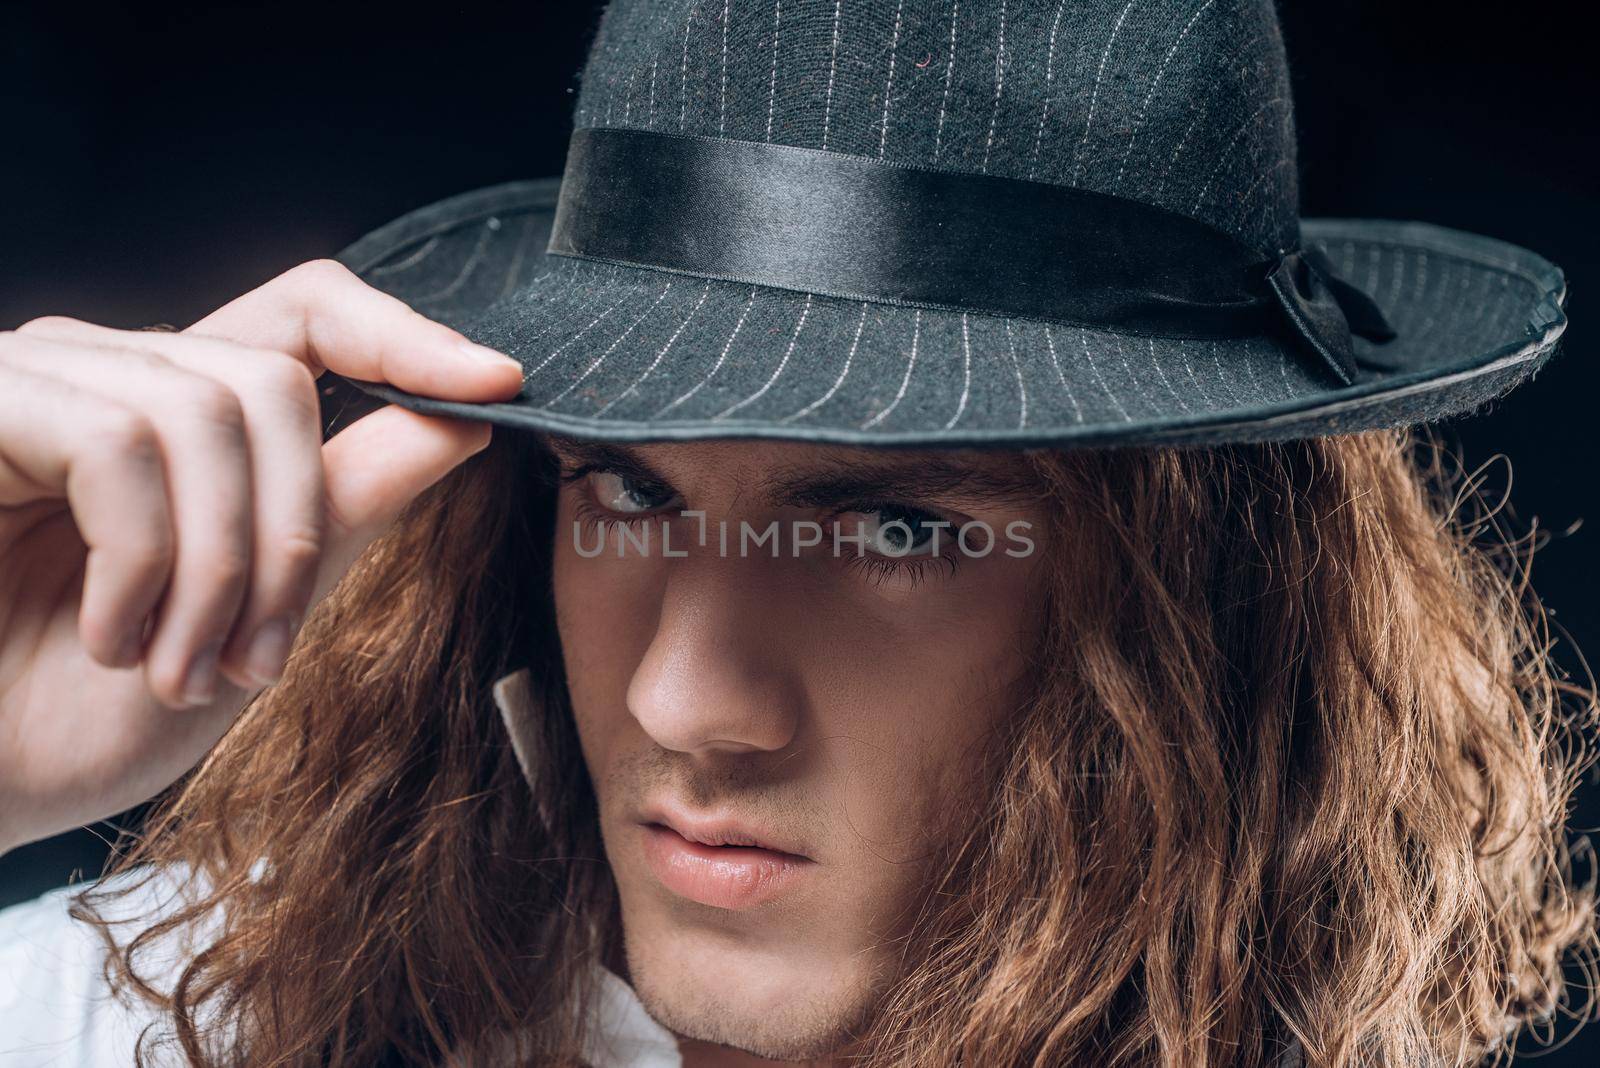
(846, 226)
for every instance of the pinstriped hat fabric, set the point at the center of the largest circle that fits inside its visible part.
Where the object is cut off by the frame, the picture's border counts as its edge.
(1183, 105)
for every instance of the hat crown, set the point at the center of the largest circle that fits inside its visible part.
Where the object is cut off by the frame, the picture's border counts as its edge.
(1183, 104)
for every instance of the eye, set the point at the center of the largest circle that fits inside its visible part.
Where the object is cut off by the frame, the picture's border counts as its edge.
(895, 543)
(896, 530)
(620, 493)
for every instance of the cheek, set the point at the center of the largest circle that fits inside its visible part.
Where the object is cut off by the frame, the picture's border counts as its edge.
(605, 616)
(932, 663)
(904, 729)
(907, 704)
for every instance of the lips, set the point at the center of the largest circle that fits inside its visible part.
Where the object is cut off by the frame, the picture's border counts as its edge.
(719, 863)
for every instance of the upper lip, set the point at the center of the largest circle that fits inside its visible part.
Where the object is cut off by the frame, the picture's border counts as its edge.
(718, 829)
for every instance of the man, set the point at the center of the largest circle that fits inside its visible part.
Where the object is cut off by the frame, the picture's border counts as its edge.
(790, 680)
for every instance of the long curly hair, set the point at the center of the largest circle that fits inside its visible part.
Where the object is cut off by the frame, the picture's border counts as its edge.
(1294, 776)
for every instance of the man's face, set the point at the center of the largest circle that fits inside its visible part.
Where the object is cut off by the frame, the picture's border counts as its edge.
(827, 704)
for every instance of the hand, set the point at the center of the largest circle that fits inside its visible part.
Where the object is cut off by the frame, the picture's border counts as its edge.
(169, 513)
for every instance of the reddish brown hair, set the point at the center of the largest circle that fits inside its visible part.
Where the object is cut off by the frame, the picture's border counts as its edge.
(1295, 772)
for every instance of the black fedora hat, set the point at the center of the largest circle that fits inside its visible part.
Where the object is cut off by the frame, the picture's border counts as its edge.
(955, 222)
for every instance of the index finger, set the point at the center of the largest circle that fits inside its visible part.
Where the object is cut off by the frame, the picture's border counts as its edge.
(321, 313)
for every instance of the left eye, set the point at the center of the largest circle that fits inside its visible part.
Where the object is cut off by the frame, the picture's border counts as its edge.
(619, 493)
(896, 531)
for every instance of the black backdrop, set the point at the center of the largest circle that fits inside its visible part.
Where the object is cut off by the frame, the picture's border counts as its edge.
(156, 160)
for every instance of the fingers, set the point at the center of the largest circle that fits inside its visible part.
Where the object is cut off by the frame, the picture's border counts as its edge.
(105, 459)
(324, 315)
(194, 468)
(278, 399)
(376, 466)
(200, 430)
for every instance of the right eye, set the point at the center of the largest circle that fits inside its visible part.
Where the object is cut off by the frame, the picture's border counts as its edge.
(619, 493)
(894, 530)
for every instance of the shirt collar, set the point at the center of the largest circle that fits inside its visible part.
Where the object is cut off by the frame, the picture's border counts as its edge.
(621, 1034)
(513, 696)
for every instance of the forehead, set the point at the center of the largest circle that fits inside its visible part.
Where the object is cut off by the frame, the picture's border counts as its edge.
(809, 473)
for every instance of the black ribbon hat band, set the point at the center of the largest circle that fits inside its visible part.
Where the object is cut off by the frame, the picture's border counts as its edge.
(847, 226)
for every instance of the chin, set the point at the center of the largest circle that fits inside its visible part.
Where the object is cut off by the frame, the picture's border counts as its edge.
(771, 998)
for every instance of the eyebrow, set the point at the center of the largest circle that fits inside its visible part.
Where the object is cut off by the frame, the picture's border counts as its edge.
(837, 481)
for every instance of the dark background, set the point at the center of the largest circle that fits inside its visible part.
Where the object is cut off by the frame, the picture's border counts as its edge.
(158, 160)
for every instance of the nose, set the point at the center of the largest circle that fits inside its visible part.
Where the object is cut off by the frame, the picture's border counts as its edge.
(719, 674)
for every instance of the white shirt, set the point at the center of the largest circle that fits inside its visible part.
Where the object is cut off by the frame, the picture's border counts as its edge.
(57, 1011)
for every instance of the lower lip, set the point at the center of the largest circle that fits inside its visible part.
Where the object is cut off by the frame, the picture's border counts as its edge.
(724, 877)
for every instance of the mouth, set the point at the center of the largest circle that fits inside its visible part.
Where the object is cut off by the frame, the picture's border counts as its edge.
(721, 864)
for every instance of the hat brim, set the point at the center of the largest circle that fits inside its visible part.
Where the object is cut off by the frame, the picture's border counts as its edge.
(633, 354)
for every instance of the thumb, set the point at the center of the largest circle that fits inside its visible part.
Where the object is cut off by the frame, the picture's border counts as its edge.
(376, 466)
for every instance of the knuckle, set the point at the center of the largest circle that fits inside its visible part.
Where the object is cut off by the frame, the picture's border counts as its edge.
(321, 272)
(129, 435)
(49, 324)
(148, 551)
(145, 359)
(340, 524)
(299, 551)
(284, 378)
(301, 546)
(216, 405)
(226, 565)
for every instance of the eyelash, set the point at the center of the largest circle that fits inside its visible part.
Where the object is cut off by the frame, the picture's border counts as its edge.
(876, 568)
(880, 569)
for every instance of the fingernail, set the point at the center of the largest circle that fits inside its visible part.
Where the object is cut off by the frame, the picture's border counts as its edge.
(200, 684)
(268, 651)
(485, 355)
